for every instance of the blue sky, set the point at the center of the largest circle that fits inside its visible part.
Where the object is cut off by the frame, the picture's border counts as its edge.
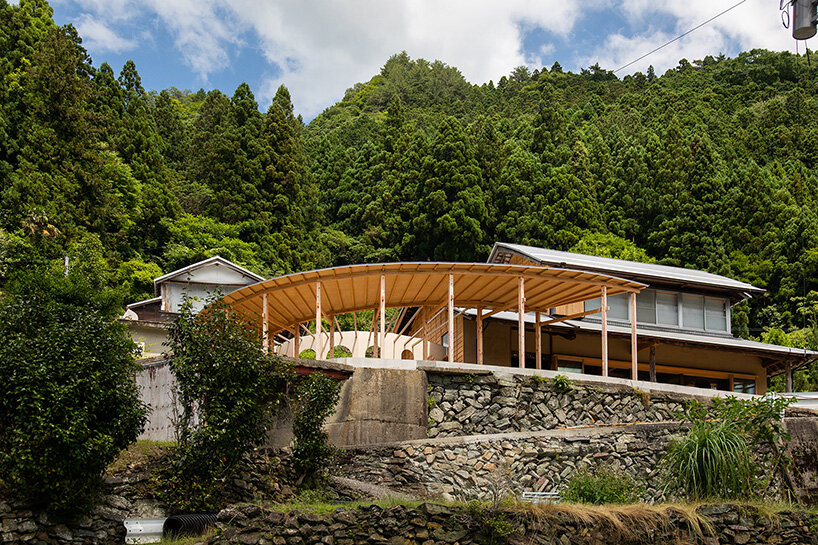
(321, 48)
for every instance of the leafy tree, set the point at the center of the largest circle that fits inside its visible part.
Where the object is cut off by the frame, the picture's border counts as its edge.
(68, 401)
(228, 389)
(316, 398)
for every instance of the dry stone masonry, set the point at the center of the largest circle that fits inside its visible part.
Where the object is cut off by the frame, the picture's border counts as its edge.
(476, 467)
(433, 524)
(470, 404)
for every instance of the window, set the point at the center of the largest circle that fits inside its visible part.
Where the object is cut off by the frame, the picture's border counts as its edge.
(744, 386)
(569, 366)
(444, 340)
(667, 308)
(693, 311)
(646, 307)
(617, 305)
(715, 314)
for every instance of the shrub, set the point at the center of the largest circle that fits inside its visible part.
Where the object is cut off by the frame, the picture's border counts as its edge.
(228, 389)
(316, 397)
(68, 401)
(711, 461)
(563, 384)
(602, 485)
(727, 445)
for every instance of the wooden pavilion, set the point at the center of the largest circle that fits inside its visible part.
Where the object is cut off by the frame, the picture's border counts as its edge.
(282, 306)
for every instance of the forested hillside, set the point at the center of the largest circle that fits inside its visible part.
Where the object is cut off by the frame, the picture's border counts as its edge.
(711, 165)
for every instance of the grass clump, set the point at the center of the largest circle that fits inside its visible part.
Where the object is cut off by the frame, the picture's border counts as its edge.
(711, 461)
(604, 484)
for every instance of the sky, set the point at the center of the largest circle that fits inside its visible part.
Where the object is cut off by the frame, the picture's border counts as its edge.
(319, 49)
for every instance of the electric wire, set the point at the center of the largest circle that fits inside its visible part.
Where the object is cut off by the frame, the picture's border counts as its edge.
(680, 36)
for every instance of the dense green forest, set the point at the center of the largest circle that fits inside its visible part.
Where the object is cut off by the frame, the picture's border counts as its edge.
(711, 165)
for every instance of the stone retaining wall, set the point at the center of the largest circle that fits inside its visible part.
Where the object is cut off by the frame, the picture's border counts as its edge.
(475, 467)
(478, 467)
(470, 404)
(432, 524)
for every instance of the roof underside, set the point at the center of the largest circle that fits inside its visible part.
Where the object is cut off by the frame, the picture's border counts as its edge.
(291, 299)
(631, 269)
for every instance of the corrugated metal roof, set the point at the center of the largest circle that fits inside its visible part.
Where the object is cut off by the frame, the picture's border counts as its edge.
(620, 267)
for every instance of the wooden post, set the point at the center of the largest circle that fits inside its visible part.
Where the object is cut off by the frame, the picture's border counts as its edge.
(264, 325)
(332, 336)
(634, 348)
(538, 339)
(297, 341)
(653, 363)
(373, 330)
(604, 307)
(382, 318)
(424, 338)
(479, 336)
(521, 322)
(451, 318)
(789, 377)
(319, 342)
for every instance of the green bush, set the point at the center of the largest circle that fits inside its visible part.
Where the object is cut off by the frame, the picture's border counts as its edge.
(602, 485)
(316, 397)
(726, 447)
(563, 384)
(68, 400)
(229, 390)
(711, 461)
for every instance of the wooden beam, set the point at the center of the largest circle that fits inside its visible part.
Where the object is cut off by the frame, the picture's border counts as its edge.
(634, 346)
(319, 342)
(521, 322)
(382, 317)
(394, 320)
(297, 342)
(451, 318)
(265, 329)
(652, 363)
(604, 307)
(574, 316)
(498, 311)
(479, 336)
(538, 339)
(409, 322)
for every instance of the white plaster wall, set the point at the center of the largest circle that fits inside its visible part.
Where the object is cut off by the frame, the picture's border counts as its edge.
(358, 341)
(156, 387)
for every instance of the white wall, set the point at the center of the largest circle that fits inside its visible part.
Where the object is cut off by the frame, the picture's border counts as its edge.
(359, 341)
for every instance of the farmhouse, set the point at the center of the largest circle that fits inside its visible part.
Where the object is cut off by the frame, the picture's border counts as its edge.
(147, 320)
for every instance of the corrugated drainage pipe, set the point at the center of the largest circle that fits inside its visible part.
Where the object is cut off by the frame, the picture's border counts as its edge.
(187, 525)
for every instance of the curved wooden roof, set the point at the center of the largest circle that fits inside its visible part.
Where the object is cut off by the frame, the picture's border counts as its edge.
(291, 298)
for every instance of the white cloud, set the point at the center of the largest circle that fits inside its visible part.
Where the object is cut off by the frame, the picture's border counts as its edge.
(754, 24)
(340, 43)
(319, 48)
(99, 37)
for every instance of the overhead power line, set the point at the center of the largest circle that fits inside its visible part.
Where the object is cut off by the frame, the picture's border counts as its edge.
(680, 36)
